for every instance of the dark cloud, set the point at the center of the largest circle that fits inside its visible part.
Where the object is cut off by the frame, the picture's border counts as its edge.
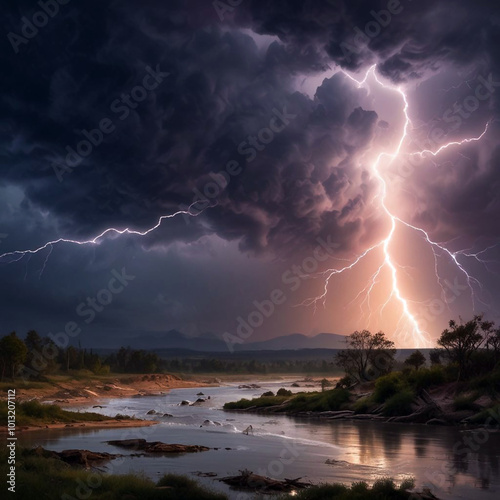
(227, 107)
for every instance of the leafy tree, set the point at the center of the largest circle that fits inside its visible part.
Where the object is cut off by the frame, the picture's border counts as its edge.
(461, 341)
(435, 356)
(416, 359)
(13, 353)
(41, 353)
(493, 343)
(367, 354)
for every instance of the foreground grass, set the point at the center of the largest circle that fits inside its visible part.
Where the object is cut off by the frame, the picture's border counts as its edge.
(384, 489)
(35, 413)
(51, 478)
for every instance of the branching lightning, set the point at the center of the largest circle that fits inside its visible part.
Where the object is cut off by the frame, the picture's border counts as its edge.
(19, 254)
(408, 329)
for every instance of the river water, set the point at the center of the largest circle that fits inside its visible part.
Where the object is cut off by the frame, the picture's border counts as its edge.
(290, 447)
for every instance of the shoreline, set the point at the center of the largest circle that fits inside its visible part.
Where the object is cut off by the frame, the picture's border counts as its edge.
(98, 425)
(73, 391)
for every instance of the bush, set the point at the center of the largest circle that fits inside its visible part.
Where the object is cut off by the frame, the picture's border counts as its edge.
(319, 401)
(489, 384)
(383, 489)
(388, 386)
(490, 416)
(261, 402)
(399, 404)
(344, 382)
(362, 405)
(426, 377)
(283, 392)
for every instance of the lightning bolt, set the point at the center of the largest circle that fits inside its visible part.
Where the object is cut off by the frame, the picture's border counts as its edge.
(408, 328)
(19, 254)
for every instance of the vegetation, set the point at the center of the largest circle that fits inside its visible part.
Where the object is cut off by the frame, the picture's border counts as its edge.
(51, 478)
(367, 355)
(37, 357)
(462, 341)
(399, 404)
(68, 482)
(262, 402)
(35, 413)
(13, 353)
(416, 360)
(331, 400)
(188, 365)
(383, 489)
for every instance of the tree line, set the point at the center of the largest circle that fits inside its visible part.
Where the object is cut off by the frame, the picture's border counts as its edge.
(467, 348)
(36, 356)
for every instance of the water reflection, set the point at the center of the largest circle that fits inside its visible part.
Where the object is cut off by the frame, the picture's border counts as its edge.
(453, 463)
(445, 459)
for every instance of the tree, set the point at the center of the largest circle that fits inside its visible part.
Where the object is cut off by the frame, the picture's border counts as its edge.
(324, 384)
(367, 355)
(493, 343)
(461, 341)
(13, 353)
(435, 356)
(415, 359)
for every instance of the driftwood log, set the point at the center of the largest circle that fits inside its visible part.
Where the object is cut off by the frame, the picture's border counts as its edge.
(247, 480)
(157, 446)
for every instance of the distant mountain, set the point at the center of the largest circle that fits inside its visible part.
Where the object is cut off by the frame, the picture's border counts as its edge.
(173, 339)
(297, 341)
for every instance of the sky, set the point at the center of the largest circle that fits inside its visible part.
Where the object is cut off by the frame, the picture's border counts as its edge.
(247, 169)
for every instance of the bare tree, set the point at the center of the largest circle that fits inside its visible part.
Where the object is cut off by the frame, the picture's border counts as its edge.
(367, 355)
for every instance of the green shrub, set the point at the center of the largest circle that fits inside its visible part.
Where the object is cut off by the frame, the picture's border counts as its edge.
(283, 392)
(490, 416)
(261, 402)
(362, 405)
(319, 401)
(399, 404)
(426, 377)
(383, 489)
(344, 382)
(388, 385)
(487, 384)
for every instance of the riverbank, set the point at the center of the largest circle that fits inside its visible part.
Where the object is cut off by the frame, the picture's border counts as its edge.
(389, 399)
(71, 475)
(83, 388)
(35, 416)
(281, 447)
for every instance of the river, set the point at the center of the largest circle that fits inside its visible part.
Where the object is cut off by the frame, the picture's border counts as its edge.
(290, 447)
